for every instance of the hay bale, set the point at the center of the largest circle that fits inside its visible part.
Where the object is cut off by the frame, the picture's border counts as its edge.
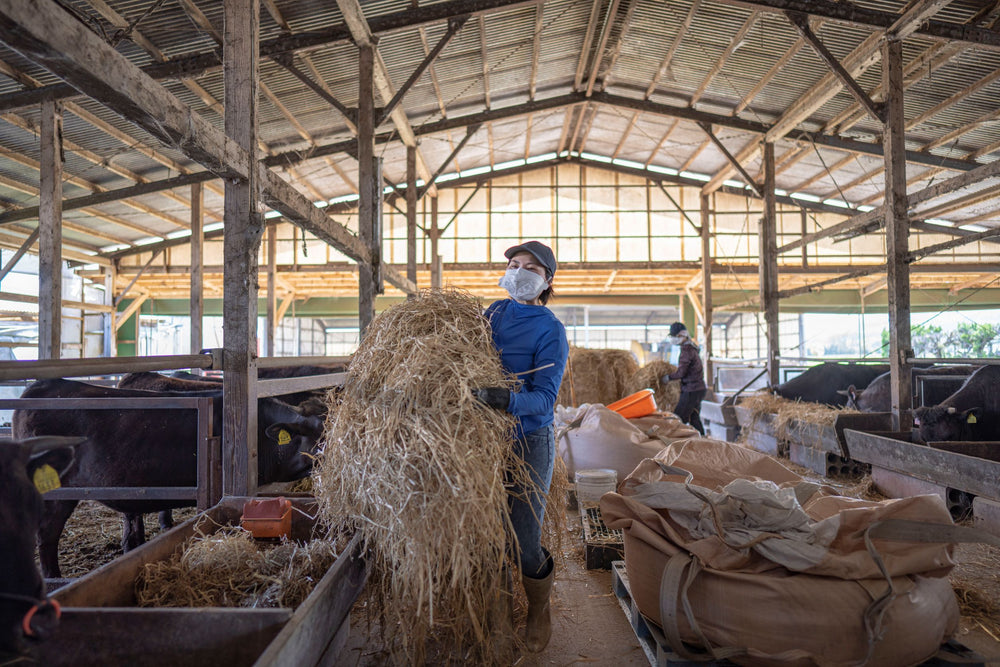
(417, 466)
(228, 568)
(666, 395)
(596, 376)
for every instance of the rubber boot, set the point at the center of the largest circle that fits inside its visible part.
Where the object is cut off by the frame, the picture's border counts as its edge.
(539, 623)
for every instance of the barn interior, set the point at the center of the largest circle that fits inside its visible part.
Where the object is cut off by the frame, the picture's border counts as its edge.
(236, 186)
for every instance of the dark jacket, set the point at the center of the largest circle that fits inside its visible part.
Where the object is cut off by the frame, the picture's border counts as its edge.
(689, 369)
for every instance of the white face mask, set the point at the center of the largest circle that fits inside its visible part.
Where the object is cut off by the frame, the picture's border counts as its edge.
(675, 340)
(523, 285)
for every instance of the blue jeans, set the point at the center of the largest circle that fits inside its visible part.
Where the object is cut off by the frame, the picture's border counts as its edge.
(527, 508)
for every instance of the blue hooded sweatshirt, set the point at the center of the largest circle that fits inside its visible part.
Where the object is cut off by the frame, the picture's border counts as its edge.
(528, 337)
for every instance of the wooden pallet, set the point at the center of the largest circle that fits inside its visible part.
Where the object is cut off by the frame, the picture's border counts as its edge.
(602, 545)
(659, 654)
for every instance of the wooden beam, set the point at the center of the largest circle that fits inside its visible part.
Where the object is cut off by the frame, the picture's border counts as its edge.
(19, 253)
(272, 296)
(50, 234)
(801, 22)
(244, 227)
(283, 307)
(130, 310)
(706, 285)
(769, 267)
(411, 215)
(897, 225)
(138, 275)
(366, 180)
(80, 305)
(197, 305)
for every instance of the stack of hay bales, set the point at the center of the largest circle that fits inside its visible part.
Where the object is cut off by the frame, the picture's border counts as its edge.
(596, 376)
(417, 466)
(665, 394)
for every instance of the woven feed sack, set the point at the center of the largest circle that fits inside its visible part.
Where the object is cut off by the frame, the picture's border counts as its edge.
(665, 425)
(602, 438)
(799, 599)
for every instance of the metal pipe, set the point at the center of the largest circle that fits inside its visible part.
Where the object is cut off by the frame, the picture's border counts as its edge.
(955, 360)
(285, 362)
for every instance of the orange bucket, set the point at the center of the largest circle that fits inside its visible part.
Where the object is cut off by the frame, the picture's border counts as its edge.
(271, 517)
(639, 404)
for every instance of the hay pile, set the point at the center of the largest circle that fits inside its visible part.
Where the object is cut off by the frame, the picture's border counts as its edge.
(596, 376)
(229, 569)
(648, 376)
(417, 466)
(787, 411)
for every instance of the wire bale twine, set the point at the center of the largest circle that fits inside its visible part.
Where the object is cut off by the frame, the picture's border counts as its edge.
(596, 376)
(228, 568)
(421, 469)
(665, 394)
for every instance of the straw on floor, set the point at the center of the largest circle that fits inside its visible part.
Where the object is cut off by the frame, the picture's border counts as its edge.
(417, 466)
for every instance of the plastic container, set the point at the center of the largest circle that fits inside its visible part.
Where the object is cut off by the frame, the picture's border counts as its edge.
(593, 483)
(639, 404)
(267, 517)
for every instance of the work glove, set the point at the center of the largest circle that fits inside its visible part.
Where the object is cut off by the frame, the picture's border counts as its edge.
(495, 397)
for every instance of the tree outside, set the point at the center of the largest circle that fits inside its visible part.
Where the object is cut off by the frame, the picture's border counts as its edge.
(968, 339)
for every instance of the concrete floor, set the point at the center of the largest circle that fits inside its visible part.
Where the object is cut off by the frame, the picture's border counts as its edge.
(588, 625)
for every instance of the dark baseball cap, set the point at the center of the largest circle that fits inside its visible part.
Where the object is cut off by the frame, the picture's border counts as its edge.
(542, 253)
(676, 328)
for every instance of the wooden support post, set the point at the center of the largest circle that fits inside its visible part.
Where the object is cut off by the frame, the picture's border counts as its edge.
(110, 330)
(897, 235)
(272, 279)
(50, 234)
(769, 266)
(435, 233)
(411, 214)
(706, 285)
(244, 228)
(366, 184)
(197, 269)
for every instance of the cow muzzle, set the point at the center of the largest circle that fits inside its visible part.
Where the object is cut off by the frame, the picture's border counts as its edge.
(41, 618)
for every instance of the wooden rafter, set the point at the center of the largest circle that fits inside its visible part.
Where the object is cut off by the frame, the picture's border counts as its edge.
(720, 62)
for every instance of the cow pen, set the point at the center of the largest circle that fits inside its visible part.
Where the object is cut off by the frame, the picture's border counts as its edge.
(100, 610)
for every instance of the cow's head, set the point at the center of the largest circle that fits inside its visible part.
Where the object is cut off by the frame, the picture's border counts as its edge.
(852, 394)
(286, 451)
(937, 423)
(26, 468)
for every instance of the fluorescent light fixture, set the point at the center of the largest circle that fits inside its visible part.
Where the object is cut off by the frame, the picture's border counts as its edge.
(734, 184)
(697, 177)
(179, 234)
(864, 208)
(446, 177)
(837, 202)
(596, 158)
(780, 192)
(510, 164)
(343, 198)
(662, 170)
(805, 197)
(477, 170)
(114, 248)
(629, 163)
(148, 240)
(541, 158)
(211, 227)
(271, 215)
(973, 228)
(940, 222)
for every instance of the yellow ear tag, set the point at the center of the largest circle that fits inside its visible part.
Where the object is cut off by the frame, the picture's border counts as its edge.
(46, 479)
(971, 419)
(284, 437)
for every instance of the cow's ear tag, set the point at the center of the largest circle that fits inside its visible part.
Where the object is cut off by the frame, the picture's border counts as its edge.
(46, 478)
(971, 419)
(284, 437)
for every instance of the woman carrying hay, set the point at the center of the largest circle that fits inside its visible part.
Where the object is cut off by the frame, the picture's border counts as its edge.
(530, 338)
(691, 373)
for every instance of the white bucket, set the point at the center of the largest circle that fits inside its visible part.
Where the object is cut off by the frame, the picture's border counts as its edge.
(593, 483)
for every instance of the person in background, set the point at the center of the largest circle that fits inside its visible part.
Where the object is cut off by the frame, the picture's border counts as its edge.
(529, 337)
(691, 373)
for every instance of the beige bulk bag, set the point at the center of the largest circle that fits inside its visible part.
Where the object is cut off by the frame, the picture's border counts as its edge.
(601, 438)
(728, 551)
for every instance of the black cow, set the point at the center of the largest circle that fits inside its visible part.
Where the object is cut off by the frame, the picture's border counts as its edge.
(150, 448)
(820, 383)
(312, 403)
(971, 413)
(24, 609)
(877, 396)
